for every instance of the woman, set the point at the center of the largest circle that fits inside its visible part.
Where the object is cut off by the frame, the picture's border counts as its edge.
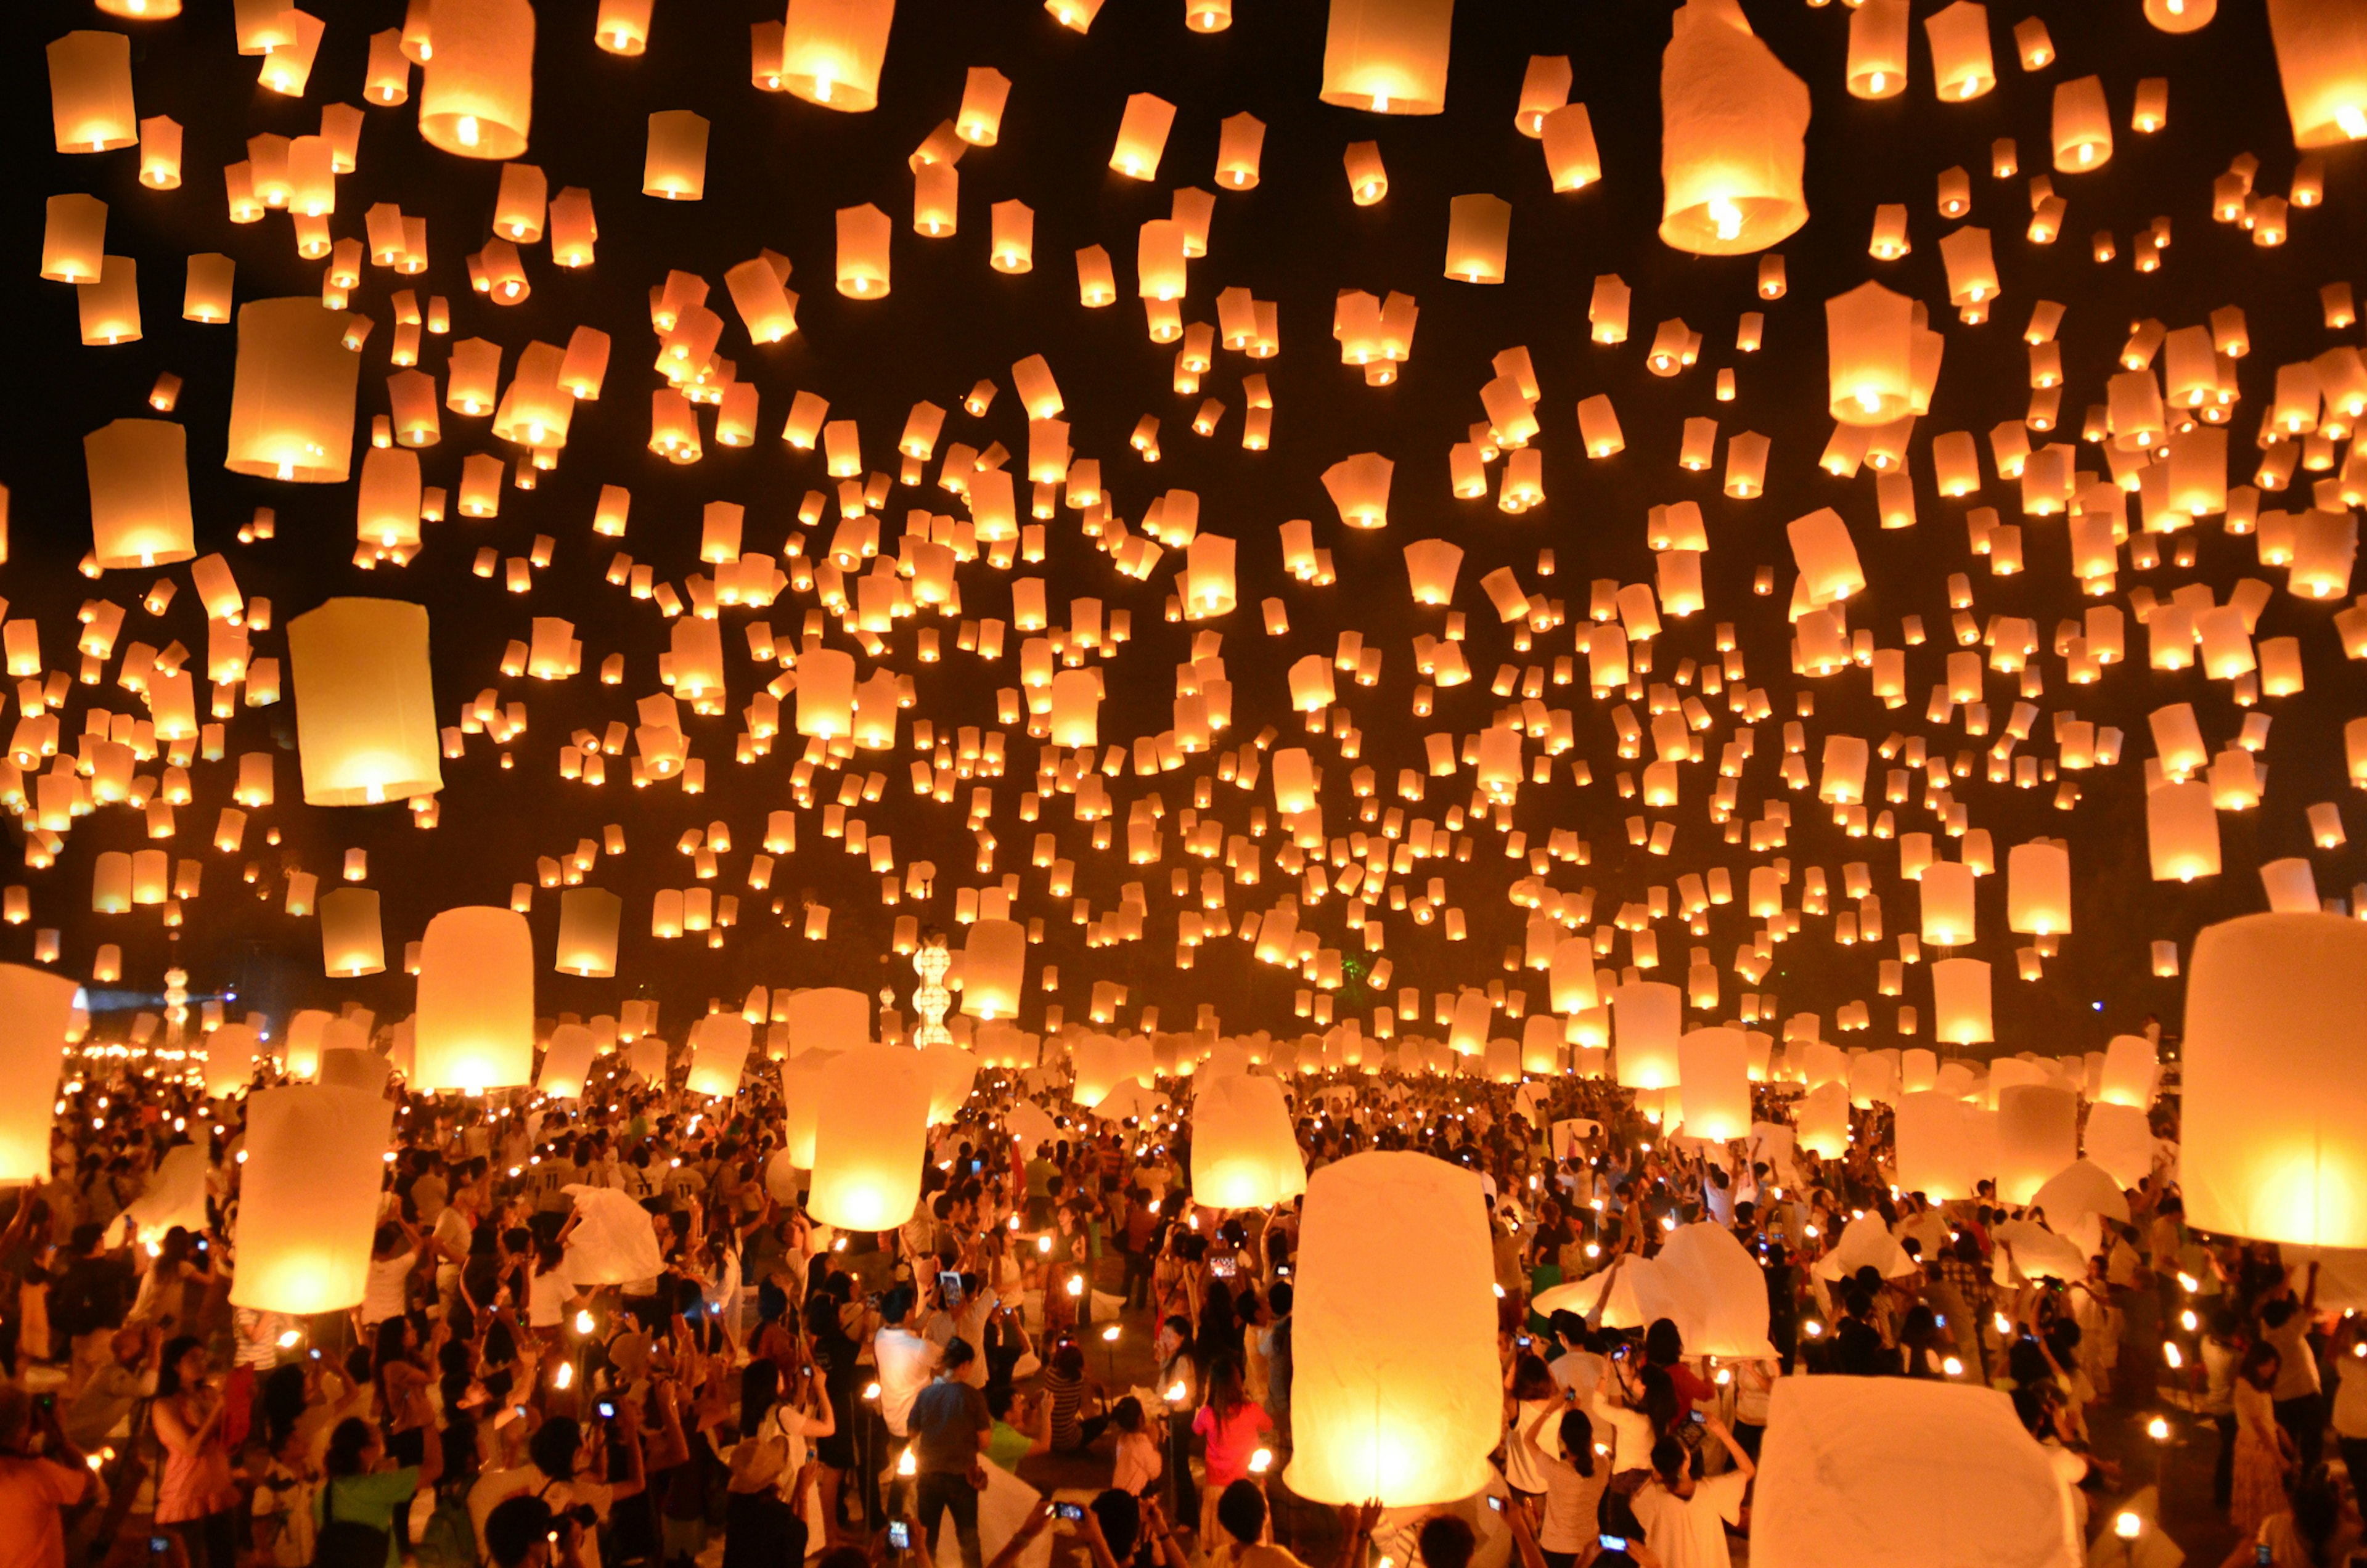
(1529, 1395)
(1234, 1430)
(2264, 1453)
(195, 1495)
(174, 1286)
(1066, 1387)
(1664, 1346)
(1140, 1462)
(2316, 1532)
(1574, 1477)
(401, 1377)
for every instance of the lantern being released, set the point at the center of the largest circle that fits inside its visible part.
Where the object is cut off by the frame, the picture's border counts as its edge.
(36, 1008)
(870, 1138)
(475, 1026)
(2274, 1139)
(1398, 1395)
(308, 1203)
(1244, 1154)
(1734, 127)
(1388, 56)
(365, 707)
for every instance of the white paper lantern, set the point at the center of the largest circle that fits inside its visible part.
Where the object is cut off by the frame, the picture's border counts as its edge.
(475, 1023)
(718, 1053)
(2038, 1135)
(308, 1197)
(1244, 1153)
(1714, 1066)
(870, 1138)
(567, 1062)
(36, 1006)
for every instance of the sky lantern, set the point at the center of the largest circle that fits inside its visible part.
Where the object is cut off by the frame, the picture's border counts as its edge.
(1714, 1066)
(1734, 128)
(994, 962)
(139, 476)
(352, 942)
(2038, 1136)
(309, 1197)
(832, 52)
(1960, 1002)
(364, 704)
(476, 97)
(588, 919)
(90, 92)
(2321, 58)
(475, 1022)
(1961, 64)
(292, 395)
(719, 1051)
(1388, 56)
(1870, 355)
(1646, 1016)
(871, 1128)
(1398, 1395)
(36, 1006)
(2273, 1145)
(1244, 1154)
(566, 1062)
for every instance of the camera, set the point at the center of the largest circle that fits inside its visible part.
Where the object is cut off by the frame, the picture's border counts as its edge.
(608, 1410)
(1072, 1512)
(950, 1286)
(1224, 1268)
(899, 1534)
(1611, 1542)
(1495, 1504)
(1522, 1340)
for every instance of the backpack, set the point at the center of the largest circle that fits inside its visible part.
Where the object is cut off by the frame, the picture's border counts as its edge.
(348, 1543)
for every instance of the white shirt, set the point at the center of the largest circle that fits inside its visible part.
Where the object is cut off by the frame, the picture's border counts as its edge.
(2349, 1396)
(906, 1362)
(1579, 1370)
(382, 1297)
(1690, 1532)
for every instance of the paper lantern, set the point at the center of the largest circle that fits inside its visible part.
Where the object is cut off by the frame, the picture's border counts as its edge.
(2273, 1147)
(993, 967)
(1359, 487)
(1479, 230)
(1244, 1152)
(1935, 1145)
(291, 412)
(1733, 135)
(567, 1062)
(2038, 1136)
(1854, 1466)
(2132, 1065)
(139, 479)
(1960, 1000)
(832, 52)
(2083, 126)
(1648, 1016)
(308, 1197)
(2182, 832)
(352, 944)
(2322, 59)
(2038, 889)
(863, 234)
(1388, 56)
(2181, 15)
(1878, 49)
(870, 1138)
(1821, 1121)
(1076, 697)
(90, 92)
(365, 706)
(476, 95)
(984, 92)
(801, 1091)
(1240, 142)
(1946, 889)
(1962, 65)
(718, 1053)
(306, 1032)
(1870, 344)
(1713, 1067)
(475, 1022)
(1141, 136)
(230, 1058)
(73, 238)
(109, 305)
(674, 168)
(36, 1010)
(588, 918)
(1397, 1392)
(1714, 1290)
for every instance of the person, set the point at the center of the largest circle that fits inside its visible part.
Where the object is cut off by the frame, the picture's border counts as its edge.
(394, 1253)
(1580, 1367)
(1530, 1396)
(87, 1303)
(951, 1428)
(1066, 1388)
(524, 1532)
(905, 1359)
(1234, 1431)
(36, 1489)
(2222, 1349)
(1139, 1464)
(2264, 1448)
(2349, 1358)
(1574, 1478)
(195, 1495)
(559, 1474)
(2284, 1323)
(772, 1468)
(1279, 1367)
(129, 1377)
(2317, 1531)
(355, 1510)
(1684, 1518)
(1239, 1511)
(282, 1511)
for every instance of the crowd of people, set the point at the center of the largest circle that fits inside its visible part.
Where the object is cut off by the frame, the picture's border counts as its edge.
(1059, 1348)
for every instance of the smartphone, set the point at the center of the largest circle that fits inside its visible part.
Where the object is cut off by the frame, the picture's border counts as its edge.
(1495, 1504)
(1224, 1268)
(316, 1354)
(1611, 1542)
(977, 1167)
(950, 1286)
(1522, 1340)
(158, 1545)
(1698, 1416)
(607, 1409)
(1072, 1512)
(899, 1534)
(2262, 1555)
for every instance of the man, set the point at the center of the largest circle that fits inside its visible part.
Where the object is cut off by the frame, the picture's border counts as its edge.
(524, 1533)
(89, 1300)
(951, 1428)
(34, 1489)
(905, 1360)
(1684, 1520)
(1580, 1368)
(129, 1377)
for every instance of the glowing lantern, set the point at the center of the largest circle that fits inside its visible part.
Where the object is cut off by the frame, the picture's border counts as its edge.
(365, 706)
(871, 1128)
(674, 168)
(477, 95)
(1733, 139)
(90, 92)
(2182, 832)
(1649, 1016)
(1935, 1145)
(1870, 336)
(2273, 1143)
(352, 944)
(566, 1062)
(1244, 1153)
(1573, 159)
(291, 412)
(2132, 1065)
(832, 52)
(230, 1058)
(1827, 556)
(2038, 1135)
(1479, 230)
(309, 1197)
(2083, 126)
(1388, 56)
(984, 92)
(1962, 65)
(863, 234)
(73, 238)
(718, 1053)
(36, 1010)
(2038, 889)
(1397, 1395)
(1960, 1000)
(475, 1022)
(1142, 136)
(1822, 1123)
(1359, 488)
(826, 693)
(138, 476)
(1713, 1067)
(1877, 49)
(994, 967)
(588, 919)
